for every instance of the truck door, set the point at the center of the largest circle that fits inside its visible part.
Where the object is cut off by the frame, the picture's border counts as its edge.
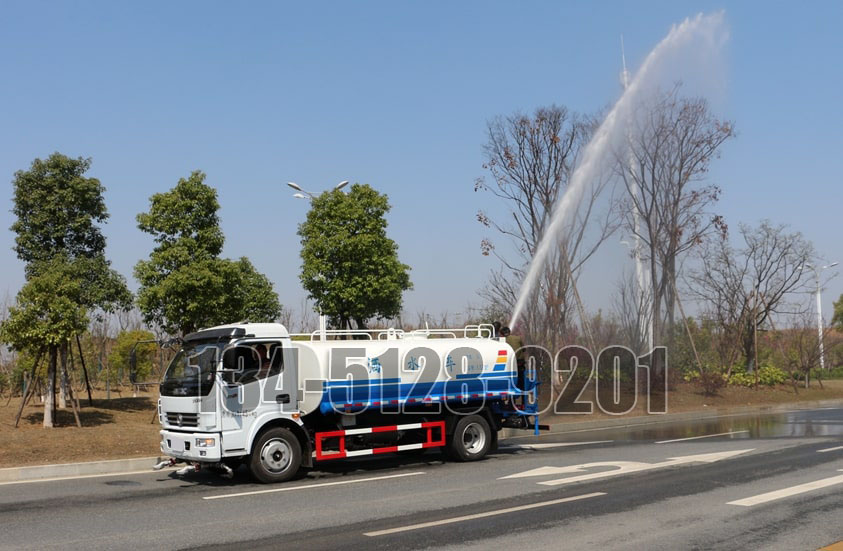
(281, 386)
(259, 378)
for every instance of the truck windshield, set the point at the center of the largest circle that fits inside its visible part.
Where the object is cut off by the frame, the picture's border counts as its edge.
(191, 373)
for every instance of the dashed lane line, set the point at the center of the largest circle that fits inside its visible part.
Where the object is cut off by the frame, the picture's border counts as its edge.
(787, 492)
(703, 436)
(481, 515)
(549, 445)
(312, 486)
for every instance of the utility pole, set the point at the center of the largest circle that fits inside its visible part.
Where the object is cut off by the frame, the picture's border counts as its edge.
(817, 275)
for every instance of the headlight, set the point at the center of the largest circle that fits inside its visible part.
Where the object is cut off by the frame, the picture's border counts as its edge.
(205, 442)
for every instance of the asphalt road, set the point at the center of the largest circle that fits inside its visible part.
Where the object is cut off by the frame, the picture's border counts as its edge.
(771, 481)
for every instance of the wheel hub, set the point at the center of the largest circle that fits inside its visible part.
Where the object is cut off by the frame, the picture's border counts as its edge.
(276, 455)
(474, 438)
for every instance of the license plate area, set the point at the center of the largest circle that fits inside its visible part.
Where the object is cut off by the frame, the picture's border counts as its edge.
(176, 444)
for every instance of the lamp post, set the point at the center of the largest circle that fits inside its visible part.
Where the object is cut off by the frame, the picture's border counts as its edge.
(817, 272)
(645, 317)
(304, 194)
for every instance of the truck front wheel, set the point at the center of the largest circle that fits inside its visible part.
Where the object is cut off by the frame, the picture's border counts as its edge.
(276, 456)
(471, 440)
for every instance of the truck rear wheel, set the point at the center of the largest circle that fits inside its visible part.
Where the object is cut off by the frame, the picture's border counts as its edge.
(471, 440)
(276, 456)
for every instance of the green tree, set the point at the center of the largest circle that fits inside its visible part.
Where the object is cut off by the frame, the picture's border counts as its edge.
(58, 210)
(837, 320)
(184, 284)
(121, 354)
(350, 268)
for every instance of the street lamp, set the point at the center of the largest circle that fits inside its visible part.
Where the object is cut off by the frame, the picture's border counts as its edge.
(817, 272)
(304, 194)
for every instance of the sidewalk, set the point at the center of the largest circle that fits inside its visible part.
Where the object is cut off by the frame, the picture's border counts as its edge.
(77, 470)
(558, 424)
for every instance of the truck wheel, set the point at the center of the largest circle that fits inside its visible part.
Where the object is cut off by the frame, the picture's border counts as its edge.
(471, 440)
(276, 456)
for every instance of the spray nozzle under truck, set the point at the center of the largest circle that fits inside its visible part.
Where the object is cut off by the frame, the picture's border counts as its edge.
(253, 393)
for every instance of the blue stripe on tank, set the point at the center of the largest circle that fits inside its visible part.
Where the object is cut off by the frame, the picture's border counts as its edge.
(336, 397)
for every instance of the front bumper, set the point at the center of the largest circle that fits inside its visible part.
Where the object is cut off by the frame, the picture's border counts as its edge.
(182, 445)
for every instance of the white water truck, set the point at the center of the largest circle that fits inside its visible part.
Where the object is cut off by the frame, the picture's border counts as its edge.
(253, 393)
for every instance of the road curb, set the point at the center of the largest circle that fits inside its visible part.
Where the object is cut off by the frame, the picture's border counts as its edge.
(559, 426)
(91, 468)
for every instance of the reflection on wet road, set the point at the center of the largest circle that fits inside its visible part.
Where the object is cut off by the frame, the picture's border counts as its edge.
(792, 424)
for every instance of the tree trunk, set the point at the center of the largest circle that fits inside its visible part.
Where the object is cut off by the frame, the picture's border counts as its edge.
(50, 401)
(749, 348)
(63, 395)
(84, 371)
(30, 388)
(670, 300)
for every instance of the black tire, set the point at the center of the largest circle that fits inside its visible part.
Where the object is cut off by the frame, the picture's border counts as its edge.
(276, 456)
(471, 440)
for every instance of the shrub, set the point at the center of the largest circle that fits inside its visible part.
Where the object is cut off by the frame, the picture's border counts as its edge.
(711, 379)
(767, 376)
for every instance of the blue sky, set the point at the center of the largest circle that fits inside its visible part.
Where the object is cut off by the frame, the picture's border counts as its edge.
(396, 95)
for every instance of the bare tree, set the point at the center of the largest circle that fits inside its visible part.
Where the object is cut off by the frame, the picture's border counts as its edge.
(743, 288)
(129, 320)
(632, 312)
(671, 143)
(530, 160)
(799, 350)
(286, 317)
(306, 317)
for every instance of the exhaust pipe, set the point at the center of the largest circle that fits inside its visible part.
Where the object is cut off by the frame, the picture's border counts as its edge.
(171, 462)
(189, 469)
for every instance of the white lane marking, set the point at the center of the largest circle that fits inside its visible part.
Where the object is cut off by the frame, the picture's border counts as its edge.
(834, 449)
(481, 515)
(618, 467)
(703, 436)
(311, 486)
(787, 492)
(81, 476)
(547, 445)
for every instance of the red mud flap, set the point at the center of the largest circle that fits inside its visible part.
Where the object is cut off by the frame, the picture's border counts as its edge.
(430, 427)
